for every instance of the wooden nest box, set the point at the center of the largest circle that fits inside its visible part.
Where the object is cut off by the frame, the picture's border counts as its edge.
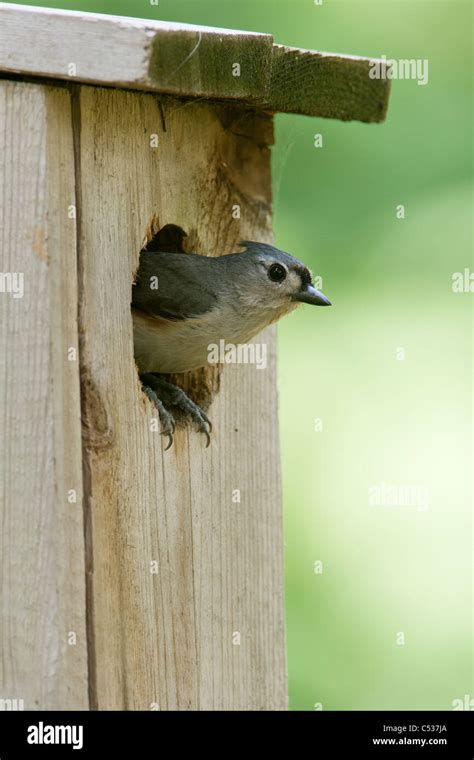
(136, 578)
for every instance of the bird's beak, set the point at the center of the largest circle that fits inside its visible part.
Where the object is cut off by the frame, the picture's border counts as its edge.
(309, 294)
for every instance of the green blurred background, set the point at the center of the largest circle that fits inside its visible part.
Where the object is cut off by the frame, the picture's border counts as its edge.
(354, 413)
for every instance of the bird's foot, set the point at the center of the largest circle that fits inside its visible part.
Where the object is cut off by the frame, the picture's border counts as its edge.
(166, 418)
(166, 394)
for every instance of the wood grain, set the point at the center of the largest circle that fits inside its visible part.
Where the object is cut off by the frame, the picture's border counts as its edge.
(136, 53)
(189, 61)
(169, 639)
(328, 85)
(42, 537)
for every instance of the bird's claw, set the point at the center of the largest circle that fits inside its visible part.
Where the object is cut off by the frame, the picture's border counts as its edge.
(200, 418)
(170, 440)
(206, 431)
(168, 425)
(174, 396)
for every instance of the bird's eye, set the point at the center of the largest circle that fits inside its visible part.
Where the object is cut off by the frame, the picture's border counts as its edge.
(277, 273)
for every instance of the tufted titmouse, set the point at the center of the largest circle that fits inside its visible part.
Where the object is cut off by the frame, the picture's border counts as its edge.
(182, 303)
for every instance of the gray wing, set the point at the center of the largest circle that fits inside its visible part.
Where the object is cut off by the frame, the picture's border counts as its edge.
(175, 285)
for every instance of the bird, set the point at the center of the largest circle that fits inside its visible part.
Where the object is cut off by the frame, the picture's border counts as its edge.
(184, 302)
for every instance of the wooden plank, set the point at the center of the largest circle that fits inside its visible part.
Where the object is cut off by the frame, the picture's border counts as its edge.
(327, 84)
(190, 61)
(169, 639)
(136, 53)
(43, 579)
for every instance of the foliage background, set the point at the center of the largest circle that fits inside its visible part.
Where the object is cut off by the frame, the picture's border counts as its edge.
(386, 570)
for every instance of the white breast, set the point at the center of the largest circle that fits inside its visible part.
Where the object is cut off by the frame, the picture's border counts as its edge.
(165, 346)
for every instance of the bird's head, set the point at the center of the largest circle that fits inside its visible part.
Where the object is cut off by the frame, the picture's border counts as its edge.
(275, 280)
